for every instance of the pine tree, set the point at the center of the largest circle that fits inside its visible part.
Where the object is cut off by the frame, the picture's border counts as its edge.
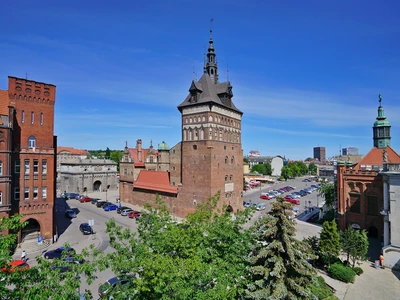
(279, 267)
(330, 240)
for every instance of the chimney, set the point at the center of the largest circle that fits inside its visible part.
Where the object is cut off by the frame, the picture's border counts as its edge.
(139, 149)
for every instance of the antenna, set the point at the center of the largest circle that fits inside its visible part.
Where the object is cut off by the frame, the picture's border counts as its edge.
(211, 20)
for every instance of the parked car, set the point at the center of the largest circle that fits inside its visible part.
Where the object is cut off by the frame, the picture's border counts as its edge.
(119, 209)
(58, 253)
(292, 200)
(133, 214)
(260, 206)
(110, 207)
(70, 213)
(71, 195)
(15, 265)
(85, 228)
(94, 200)
(126, 211)
(102, 203)
(112, 284)
(265, 196)
(66, 265)
(248, 204)
(85, 199)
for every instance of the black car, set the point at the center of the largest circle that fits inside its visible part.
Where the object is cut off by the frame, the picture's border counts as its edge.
(111, 285)
(58, 253)
(120, 209)
(85, 228)
(103, 204)
(70, 213)
(67, 264)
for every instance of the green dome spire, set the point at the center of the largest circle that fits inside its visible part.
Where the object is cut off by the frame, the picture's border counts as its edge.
(381, 129)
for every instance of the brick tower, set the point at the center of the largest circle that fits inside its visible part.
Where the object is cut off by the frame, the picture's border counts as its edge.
(211, 149)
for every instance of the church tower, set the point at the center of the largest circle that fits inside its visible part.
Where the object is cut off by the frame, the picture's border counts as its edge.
(211, 147)
(381, 129)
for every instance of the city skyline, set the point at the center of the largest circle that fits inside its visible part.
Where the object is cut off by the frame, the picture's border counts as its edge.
(304, 75)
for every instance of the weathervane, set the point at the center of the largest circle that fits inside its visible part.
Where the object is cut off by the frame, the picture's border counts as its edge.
(380, 99)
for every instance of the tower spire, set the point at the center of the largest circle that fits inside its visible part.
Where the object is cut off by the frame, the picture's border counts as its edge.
(211, 67)
(381, 129)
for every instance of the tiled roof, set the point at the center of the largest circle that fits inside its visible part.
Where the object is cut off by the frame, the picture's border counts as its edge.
(72, 151)
(209, 93)
(155, 181)
(4, 102)
(375, 157)
(134, 155)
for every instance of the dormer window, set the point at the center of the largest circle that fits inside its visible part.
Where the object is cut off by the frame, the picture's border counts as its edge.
(31, 142)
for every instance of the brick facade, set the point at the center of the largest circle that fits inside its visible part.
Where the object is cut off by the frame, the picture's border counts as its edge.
(31, 158)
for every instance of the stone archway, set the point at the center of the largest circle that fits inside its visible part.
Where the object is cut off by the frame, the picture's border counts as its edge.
(97, 186)
(31, 231)
(229, 209)
(372, 232)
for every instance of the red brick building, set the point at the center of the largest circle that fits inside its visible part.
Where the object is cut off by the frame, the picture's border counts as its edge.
(209, 159)
(28, 154)
(360, 186)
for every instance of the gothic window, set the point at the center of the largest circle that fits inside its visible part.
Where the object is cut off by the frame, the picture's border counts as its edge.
(204, 119)
(190, 120)
(355, 205)
(226, 160)
(41, 118)
(372, 205)
(226, 178)
(231, 178)
(32, 117)
(190, 135)
(210, 118)
(32, 142)
(194, 147)
(232, 160)
(198, 119)
(22, 116)
(210, 134)
(186, 120)
(202, 134)
(196, 134)
(184, 135)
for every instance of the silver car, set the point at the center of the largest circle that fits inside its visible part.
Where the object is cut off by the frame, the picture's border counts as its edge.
(126, 211)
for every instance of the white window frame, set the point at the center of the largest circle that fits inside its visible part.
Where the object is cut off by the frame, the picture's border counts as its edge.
(35, 193)
(32, 142)
(1, 167)
(26, 193)
(27, 166)
(32, 117)
(23, 117)
(1, 198)
(44, 167)
(44, 192)
(35, 167)
(41, 118)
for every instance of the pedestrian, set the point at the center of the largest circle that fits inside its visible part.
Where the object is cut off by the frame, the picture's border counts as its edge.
(382, 260)
(23, 256)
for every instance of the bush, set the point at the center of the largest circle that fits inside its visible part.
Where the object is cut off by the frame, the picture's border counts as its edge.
(321, 290)
(358, 270)
(343, 273)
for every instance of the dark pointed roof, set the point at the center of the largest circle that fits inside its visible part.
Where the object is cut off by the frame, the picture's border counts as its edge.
(209, 93)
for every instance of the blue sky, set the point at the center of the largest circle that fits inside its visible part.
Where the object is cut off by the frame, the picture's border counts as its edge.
(304, 73)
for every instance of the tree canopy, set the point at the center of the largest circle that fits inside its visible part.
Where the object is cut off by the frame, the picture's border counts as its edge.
(264, 168)
(327, 190)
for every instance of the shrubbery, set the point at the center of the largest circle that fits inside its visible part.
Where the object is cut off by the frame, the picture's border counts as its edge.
(341, 272)
(358, 270)
(321, 290)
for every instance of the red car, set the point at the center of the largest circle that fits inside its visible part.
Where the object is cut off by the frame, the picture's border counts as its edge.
(133, 214)
(292, 200)
(85, 199)
(265, 196)
(15, 265)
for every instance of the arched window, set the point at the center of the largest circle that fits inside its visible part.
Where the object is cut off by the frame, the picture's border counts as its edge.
(186, 120)
(232, 160)
(210, 118)
(32, 142)
(231, 178)
(226, 160)
(226, 178)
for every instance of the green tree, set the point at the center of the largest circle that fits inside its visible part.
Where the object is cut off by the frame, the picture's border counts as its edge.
(202, 258)
(43, 281)
(312, 168)
(246, 159)
(286, 172)
(259, 168)
(268, 168)
(108, 153)
(327, 190)
(279, 267)
(355, 244)
(295, 169)
(330, 241)
(308, 159)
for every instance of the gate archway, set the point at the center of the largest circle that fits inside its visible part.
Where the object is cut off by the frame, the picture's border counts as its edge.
(31, 231)
(97, 186)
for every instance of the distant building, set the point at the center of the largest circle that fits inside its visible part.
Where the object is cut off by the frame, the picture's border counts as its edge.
(69, 153)
(320, 154)
(360, 187)
(350, 151)
(254, 153)
(88, 175)
(277, 162)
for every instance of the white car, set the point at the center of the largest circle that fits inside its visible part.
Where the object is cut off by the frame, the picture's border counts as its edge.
(260, 206)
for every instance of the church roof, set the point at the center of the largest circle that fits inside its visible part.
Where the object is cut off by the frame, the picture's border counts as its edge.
(134, 155)
(209, 94)
(157, 181)
(375, 157)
